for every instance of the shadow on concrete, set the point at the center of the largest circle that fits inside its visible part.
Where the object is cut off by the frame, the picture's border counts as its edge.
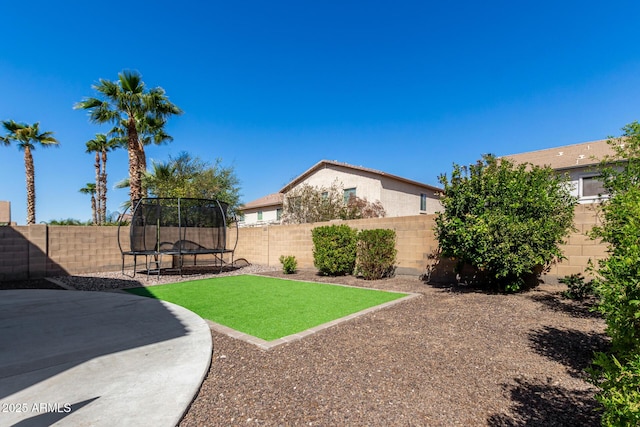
(46, 332)
(51, 415)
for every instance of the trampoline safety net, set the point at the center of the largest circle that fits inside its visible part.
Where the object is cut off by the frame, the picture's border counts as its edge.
(177, 226)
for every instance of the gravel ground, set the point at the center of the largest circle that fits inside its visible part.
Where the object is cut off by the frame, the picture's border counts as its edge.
(450, 357)
(116, 280)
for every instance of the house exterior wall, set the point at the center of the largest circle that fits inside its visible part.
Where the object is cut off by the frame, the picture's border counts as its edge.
(576, 177)
(269, 216)
(403, 199)
(366, 184)
(397, 197)
(5, 212)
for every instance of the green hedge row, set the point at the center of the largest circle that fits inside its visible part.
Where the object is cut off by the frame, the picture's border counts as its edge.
(339, 250)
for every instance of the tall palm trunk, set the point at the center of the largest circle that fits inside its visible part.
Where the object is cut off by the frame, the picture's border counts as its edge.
(135, 172)
(31, 187)
(94, 210)
(97, 199)
(142, 167)
(103, 194)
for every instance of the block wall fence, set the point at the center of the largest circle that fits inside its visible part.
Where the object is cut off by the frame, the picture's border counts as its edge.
(40, 250)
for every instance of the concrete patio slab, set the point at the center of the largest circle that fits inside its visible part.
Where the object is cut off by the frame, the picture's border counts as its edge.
(98, 359)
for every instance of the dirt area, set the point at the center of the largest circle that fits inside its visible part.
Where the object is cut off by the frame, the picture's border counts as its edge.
(450, 357)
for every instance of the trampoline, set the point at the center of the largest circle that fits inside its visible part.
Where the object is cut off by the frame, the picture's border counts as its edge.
(179, 228)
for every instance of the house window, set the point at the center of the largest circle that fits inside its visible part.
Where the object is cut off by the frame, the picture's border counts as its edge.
(279, 214)
(591, 187)
(293, 202)
(423, 202)
(259, 215)
(348, 193)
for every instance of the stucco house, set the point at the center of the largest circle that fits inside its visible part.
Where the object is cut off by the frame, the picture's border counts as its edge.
(262, 211)
(579, 161)
(399, 196)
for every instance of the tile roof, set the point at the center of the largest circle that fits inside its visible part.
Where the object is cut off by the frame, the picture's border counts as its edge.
(274, 199)
(324, 163)
(566, 157)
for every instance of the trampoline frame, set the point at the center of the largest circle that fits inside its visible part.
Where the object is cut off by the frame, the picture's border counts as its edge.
(176, 227)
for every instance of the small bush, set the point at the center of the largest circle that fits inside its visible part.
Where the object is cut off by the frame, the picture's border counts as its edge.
(376, 254)
(289, 264)
(577, 288)
(334, 249)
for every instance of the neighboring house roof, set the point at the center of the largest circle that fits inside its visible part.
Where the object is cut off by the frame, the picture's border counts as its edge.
(325, 163)
(568, 156)
(269, 200)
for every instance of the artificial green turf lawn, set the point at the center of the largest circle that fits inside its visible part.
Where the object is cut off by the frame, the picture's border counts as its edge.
(266, 307)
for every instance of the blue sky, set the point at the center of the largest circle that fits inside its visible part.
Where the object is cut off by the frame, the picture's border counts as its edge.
(271, 88)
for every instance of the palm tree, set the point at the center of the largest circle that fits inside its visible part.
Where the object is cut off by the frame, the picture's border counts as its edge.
(160, 181)
(93, 146)
(27, 138)
(139, 114)
(100, 145)
(90, 188)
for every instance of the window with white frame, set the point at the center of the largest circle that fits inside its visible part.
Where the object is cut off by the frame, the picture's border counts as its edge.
(348, 193)
(259, 215)
(423, 202)
(591, 187)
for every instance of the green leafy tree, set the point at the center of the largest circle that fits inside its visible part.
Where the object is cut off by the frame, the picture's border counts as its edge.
(27, 138)
(90, 189)
(307, 204)
(68, 221)
(139, 116)
(617, 284)
(187, 176)
(504, 220)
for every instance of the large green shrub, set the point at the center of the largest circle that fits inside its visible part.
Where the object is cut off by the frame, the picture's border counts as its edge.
(334, 249)
(504, 220)
(617, 372)
(376, 254)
